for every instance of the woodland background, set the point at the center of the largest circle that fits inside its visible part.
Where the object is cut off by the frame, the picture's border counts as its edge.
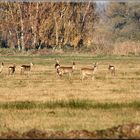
(99, 28)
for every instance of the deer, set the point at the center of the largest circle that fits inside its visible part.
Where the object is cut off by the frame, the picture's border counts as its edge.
(1, 68)
(26, 68)
(88, 71)
(61, 70)
(111, 69)
(11, 69)
(57, 65)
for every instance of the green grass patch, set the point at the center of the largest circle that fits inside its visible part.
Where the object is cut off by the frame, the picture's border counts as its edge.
(70, 57)
(18, 105)
(102, 77)
(73, 104)
(137, 72)
(122, 90)
(19, 83)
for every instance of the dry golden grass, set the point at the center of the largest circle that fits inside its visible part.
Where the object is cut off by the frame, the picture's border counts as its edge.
(42, 85)
(127, 47)
(66, 119)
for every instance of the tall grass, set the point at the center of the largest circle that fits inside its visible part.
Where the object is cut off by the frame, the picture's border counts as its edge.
(127, 48)
(73, 104)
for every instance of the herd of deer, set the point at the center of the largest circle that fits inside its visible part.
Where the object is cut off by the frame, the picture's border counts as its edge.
(61, 70)
(84, 71)
(12, 69)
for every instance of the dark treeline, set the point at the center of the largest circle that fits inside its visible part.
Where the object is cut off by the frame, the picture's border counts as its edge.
(27, 25)
(32, 25)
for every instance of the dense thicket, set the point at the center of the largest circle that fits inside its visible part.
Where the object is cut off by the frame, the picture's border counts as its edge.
(34, 25)
(114, 28)
(124, 20)
(118, 30)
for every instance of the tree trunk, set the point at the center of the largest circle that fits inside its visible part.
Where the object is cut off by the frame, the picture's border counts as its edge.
(17, 34)
(56, 30)
(83, 21)
(35, 26)
(22, 29)
(18, 40)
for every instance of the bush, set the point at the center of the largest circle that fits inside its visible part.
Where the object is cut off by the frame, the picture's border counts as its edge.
(127, 48)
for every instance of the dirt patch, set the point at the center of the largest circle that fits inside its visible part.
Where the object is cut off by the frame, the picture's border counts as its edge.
(10, 134)
(122, 131)
(34, 133)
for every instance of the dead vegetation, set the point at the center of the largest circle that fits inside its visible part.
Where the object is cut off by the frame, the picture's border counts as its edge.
(131, 130)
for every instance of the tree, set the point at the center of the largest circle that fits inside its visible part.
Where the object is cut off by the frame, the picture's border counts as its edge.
(29, 25)
(124, 20)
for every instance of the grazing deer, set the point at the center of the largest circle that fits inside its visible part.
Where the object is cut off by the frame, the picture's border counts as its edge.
(64, 69)
(1, 68)
(26, 68)
(88, 72)
(11, 69)
(111, 69)
(57, 65)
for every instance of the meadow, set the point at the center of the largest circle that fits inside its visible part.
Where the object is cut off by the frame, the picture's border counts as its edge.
(41, 99)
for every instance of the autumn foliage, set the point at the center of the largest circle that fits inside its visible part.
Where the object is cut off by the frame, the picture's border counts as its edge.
(72, 26)
(29, 25)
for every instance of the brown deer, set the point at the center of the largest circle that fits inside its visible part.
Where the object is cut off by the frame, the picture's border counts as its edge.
(26, 68)
(11, 69)
(85, 72)
(57, 65)
(61, 70)
(111, 69)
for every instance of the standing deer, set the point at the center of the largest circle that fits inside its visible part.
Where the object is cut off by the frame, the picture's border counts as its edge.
(1, 68)
(57, 65)
(26, 68)
(88, 72)
(61, 70)
(111, 69)
(11, 69)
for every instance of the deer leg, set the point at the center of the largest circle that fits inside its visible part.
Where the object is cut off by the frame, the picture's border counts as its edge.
(60, 73)
(69, 75)
(21, 72)
(114, 72)
(83, 76)
(92, 77)
(8, 72)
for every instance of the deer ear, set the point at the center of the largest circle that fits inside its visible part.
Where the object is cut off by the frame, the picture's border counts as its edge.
(95, 63)
(57, 61)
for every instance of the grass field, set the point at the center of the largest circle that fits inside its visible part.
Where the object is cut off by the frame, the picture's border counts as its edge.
(45, 101)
